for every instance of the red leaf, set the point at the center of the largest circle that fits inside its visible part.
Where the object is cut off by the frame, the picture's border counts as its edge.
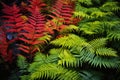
(24, 46)
(25, 40)
(24, 50)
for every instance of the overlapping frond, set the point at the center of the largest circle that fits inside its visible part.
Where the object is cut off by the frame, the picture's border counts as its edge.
(54, 71)
(99, 61)
(91, 75)
(106, 52)
(66, 58)
(22, 63)
(12, 19)
(4, 44)
(41, 59)
(70, 29)
(46, 67)
(114, 35)
(34, 29)
(110, 6)
(70, 40)
(86, 2)
(97, 43)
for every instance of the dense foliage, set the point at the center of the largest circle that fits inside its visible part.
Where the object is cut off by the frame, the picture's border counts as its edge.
(61, 39)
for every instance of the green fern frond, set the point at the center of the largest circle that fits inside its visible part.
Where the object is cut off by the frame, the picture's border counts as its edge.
(100, 14)
(91, 75)
(107, 63)
(86, 2)
(22, 63)
(106, 52)
(79, 7)
(110, 6)
(46, 71)
(66, 58)
(98, 43)
(45, 38)
(54, 71)
(98, 61)
(114, 35)
(91, 27)
(86, 10)
(24, 77)
(92, 9)
(41, 59)
(55, 51)
(70, 28)
(70, 75)
(81, 14)
(69, 41)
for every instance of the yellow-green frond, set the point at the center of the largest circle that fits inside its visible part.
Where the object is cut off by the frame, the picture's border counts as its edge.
(45, 38)
(110, 6)
(81, 14)
(47, 71)
(97, 43)
(106, 52)
(54, 71)
(69, 41)
(70, 75)
(66, 58)
(70, 28)
(100, 14)
(87, 2)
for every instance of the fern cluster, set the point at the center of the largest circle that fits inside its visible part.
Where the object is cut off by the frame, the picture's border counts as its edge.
(73, 40)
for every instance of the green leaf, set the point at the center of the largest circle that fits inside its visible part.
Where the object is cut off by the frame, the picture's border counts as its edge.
(106, 52)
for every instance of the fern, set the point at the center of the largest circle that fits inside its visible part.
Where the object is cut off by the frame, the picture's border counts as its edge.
(66, 58)
(97, 43)
(12, 19)
(70, 29)
(22, 63)
(69, 41)
(36, 3)
(98, 61)
(86, 2)
(41, 59)
(4, 46)
(45, 67)
(106, 52)
(114, 35)
(91, 75)
(110, 6)
(63, 9)
(53, 71)
(32, 30)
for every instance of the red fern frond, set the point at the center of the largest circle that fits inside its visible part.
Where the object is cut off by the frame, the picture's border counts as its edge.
(64, 9)
(36, 3)
(62, 15)
(4, 52)
(34, 29)
(12, 18)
